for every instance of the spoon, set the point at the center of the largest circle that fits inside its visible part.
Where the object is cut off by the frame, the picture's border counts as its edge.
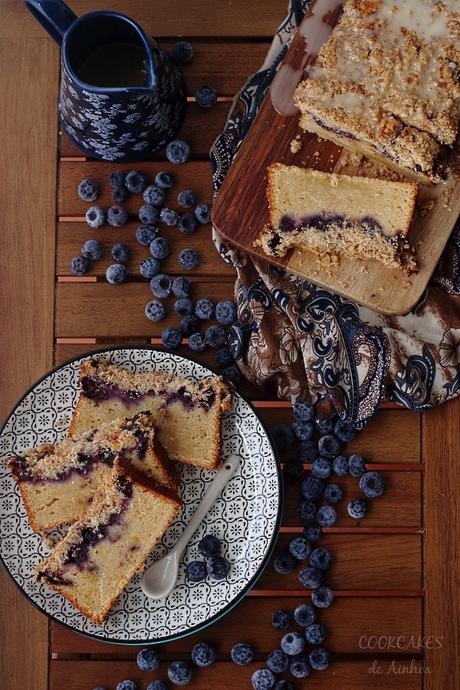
(158, 580)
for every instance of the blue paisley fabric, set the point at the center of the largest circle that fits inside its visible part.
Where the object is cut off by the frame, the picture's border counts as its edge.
(312, 344)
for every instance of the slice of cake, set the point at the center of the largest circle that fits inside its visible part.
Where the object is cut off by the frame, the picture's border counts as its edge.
(58, 482)
(102, 551)
(387, 84)
(334, 215)
(188, 415)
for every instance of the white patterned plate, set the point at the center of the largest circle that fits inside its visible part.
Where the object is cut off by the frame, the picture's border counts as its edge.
(246, 516)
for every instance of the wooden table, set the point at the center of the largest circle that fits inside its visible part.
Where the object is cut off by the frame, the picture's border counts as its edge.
(395, 575)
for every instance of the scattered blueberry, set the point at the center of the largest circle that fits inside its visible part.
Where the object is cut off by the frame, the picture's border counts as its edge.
(204, 309)
(203, 213)
(218, 567)
(293, 643)
(263, 679)
(79, 265)
(303, 431)
(324, 426)
(120, 252)
(322, 597)
(88, 190)
(307, 451)
(187, 223)
(186, 198)
(117, 216)
(321, 559)
(310, 577)
(281, 619)
(148, 214)
(329, 446)
(145, 234)
(92, 249)
(313, 532)
(299, 667)
(120, 195)
(127, 685)
(371, 484)
(169, 216)
(224, 357)
(283, 685)
(203, 654)
(156, 685)
(242, 653)
(299, 547)
(148, 659)
(304, 615)
(209, 545)
(196, 571)
(182, 52)
(116, 274)
(319, 659)
(154, 195)
(344, 431)
(278, 661)
(284, 563)
(312, 488)
(155, 310)
(164, 179)
(326, 516)
(357, 465)
(307, 510)
(117, 179)
(189, 324)
(357, 508)
(226, 312)
(196, 342)
(188, 259)
(180, 672)
(233, 374)
(177, 152)
(171, 338)
(321, 468)
(282, 436)
(149, 267)
(315, 633)
(293, 467)
(215, 336)
(340, 466)
(333, 494)
(95, 217)
(206, 97)
(303, 411)
(161, 285)
(136, 181)
(181, 287)
(183, 306)
(159, 248)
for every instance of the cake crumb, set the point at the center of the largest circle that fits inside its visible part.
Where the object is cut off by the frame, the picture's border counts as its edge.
(296, 144)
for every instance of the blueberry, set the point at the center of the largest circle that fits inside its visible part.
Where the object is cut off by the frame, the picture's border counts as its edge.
(215, 336)
(196, 342)
(218, 567)
(278, 661)
(284, 563)
(136, 181)
(148, 214)
(329, 446)
(281, 619)
(310, 577)
(177, 152)
(321, 468)
(196, 571)
(206, 97)
(357, 465)
(319, 659)
(88, 189)
(307, 451)
(79, 265)
(171, 338)
(303, 431)
(371, 484)
(299, 547)
(344, 431)
(95, 217)
(283, 685)
(313, 532)
(186, 198)
(161, 285)
(242, 653)
(226, 312)
(149, 267)
(187, 223)
(203, 654)
(156, 685)
(188, 259)
(263, 679)
(209, 545)
(148, 659)
(169, 216)
(322, 597)
(307, 510)
(145, 234)
(304, 615)
(312, 488)
(333, 493)
(321, 559)
(299, 667)
(324, 426)
(92, 249)
(204, 309)
(293, 643)
(233, 375)
(293, 468)
(127, 685)
(120, 252)
(357, 508)
(154, 195)
(224, 357)
(315, 633)
(117, 216)
(340, 466)
(180, 672)
(120, 195)
(159, 248)
(182, 52)
(203, 213)
(189, 324)
(155, 310)
(181, 287)
(116, 274)
(326, 516)
(117, 179)
(303, 411)
(282, 437)
(183, 306)
(164, 179)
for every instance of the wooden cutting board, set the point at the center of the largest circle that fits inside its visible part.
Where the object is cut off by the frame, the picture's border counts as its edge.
(240, 211)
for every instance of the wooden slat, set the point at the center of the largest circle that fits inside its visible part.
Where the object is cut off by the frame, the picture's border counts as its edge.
(350, 623)
(441, 443)
(342, 675)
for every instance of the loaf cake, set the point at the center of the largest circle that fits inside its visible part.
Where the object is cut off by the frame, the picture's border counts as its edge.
(387, 84)
(188, 415)
(338, 215)
(105, 547)
(58, 482)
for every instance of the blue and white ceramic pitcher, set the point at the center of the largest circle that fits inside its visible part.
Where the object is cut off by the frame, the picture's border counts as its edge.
(121, 97)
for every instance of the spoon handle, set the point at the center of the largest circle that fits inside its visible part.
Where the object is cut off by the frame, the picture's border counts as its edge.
(222, 477)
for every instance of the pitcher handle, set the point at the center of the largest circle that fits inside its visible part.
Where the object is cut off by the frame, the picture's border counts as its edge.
(53, 15)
